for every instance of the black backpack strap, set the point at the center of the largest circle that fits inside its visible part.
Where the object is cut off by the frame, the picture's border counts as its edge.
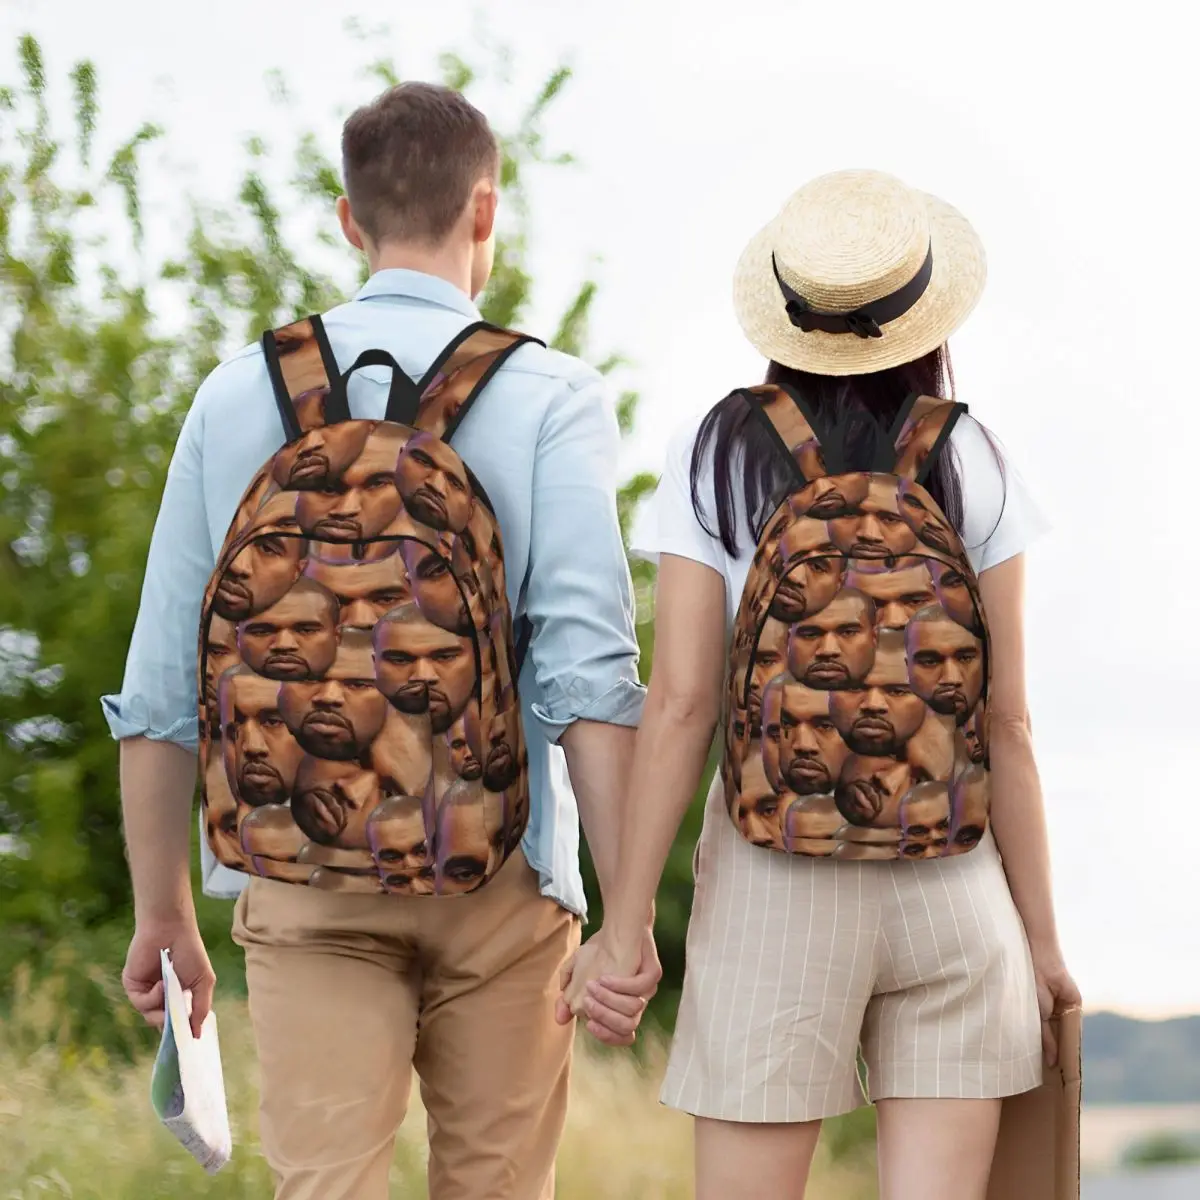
(309, 392)
(463, 369)
(795, 430)
(923, 426)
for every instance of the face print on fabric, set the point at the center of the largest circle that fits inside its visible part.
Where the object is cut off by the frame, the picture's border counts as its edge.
(260, 754)
(364, 590)
(859, 843)
(802, 749)
(319, 459)
(360, 501)
(769, 660)
(220, 653)
(871, 788)
(433, 484)
(331, 801)
(339, 716)
(921, 516)
(970, 800)
(919, 435)
(498, 746)
(436, 590)
(809, 585)
(875, 529)
(809, 824)
(259, 576)
(271, 844)
(402, 754)
(836, 646)
(879, 715)
(974, 736)
(221, 814)
(464, 844)
(810, 458)
(396, 835)
(897, 593)
(834, 496)
(945, 664)
(464, 759)
(925, 821)
(931, 750)
(296, 638)
(421, 667)
(954, 597)
(758, 807)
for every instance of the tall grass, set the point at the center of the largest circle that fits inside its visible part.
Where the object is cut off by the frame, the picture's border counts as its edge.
(77, 1123)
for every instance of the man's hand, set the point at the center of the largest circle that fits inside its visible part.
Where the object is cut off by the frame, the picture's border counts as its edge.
(142, 977)
(610, 988)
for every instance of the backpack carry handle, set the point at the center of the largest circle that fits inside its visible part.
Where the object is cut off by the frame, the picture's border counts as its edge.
(404, 396)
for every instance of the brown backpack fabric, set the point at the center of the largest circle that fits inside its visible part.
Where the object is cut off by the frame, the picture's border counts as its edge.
(856, 713)
(359, 722)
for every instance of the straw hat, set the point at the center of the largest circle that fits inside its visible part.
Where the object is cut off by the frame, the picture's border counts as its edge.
(857, 273)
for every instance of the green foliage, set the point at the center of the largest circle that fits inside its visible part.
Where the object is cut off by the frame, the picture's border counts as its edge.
(93, 386)
(1162, 1149)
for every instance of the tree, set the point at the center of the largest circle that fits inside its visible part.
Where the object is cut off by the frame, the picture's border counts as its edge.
(94, 384)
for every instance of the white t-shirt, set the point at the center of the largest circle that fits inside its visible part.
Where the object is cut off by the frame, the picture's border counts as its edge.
(1000, 517)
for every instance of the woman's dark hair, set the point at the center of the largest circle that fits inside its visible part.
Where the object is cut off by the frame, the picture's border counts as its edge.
(864, 406)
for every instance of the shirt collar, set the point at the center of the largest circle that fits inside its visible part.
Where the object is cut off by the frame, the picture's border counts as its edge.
(415, 285)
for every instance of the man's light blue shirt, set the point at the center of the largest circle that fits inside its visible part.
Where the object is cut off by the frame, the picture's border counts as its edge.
(544, 442)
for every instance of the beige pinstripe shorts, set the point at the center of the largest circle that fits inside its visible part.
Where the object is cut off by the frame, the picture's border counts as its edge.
(794, 965)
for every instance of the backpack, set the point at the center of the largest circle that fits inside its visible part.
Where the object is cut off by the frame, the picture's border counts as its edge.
(856, 709)
(360, 729)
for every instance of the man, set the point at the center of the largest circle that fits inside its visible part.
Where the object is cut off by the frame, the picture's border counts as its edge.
(470, 826)
(261, 755)
(432, 484)
(296, 638)
(359, 501)
(331, 802)
(970, 800)
(435, 589)
(815, 579)
(802, 749)
(871, 788)
(898, 593)
(875, 529)
(421, 667)
(924, 821)
(759, 812)
(260, 575)
(835, 647)
(341, 1009)
(879, 715)
(400, 846)
(340, 715)
(365, 589)
(945, 664)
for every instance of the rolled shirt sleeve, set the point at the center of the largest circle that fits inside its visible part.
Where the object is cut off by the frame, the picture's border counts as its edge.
(158, 697)
(579, 595)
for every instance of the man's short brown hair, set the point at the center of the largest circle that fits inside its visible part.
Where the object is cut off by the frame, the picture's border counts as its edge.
(410, 159)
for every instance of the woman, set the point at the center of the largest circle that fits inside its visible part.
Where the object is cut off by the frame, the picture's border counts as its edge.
(865, 697)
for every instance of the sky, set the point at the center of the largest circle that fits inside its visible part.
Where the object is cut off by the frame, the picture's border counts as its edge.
(1061, 132)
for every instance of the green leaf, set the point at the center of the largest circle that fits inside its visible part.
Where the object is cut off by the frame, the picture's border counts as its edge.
(84, 79)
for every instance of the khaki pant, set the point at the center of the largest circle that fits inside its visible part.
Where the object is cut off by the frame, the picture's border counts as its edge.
(349, 993)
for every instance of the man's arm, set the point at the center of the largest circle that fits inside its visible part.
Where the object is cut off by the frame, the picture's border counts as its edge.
(155, 719)
(579, 598)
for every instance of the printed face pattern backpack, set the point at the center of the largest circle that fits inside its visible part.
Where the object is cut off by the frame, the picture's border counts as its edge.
(856, 722)
(359, 723)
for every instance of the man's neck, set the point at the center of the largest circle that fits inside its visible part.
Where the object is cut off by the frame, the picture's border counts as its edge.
(444, 262)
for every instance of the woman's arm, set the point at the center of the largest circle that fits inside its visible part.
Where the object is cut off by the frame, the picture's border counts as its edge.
(673, 742)
(1018, 814)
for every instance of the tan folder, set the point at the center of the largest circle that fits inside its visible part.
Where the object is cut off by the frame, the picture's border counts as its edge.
(1037, 1152)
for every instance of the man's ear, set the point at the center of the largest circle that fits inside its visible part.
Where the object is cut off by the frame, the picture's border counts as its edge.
(486, 199)
(350, 229)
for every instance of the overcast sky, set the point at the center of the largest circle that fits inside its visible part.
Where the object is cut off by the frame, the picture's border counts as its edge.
(1062, 133)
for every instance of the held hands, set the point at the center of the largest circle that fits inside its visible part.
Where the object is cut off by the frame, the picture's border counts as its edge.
(609, 986)
(142, 977)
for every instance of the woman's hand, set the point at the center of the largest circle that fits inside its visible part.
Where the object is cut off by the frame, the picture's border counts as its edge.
(609, 986)
(1056, 992)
